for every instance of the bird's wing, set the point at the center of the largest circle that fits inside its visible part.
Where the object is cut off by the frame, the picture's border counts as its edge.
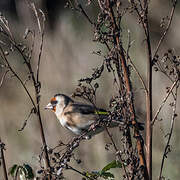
(83, 115)
(88, 109)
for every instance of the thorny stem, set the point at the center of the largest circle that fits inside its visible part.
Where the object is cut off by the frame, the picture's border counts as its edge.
(3, 160)
(167, 147)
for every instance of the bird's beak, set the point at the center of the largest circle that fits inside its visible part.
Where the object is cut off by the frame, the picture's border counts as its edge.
(49, 106)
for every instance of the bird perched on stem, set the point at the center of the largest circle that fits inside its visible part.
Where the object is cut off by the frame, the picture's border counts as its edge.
(75, 116)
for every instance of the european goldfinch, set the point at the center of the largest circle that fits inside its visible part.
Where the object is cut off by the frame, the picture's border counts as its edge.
(75, 116)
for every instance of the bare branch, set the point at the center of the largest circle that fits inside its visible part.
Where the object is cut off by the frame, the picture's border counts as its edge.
(117, 152)
(3, 78)
(133, 65)
(167, 147)
(163, 102)
(82, 174)
(2, 148)
(25, 122)
(41, 31)
(84, 13)
(167, 28)
(17, 76)
(35, 83)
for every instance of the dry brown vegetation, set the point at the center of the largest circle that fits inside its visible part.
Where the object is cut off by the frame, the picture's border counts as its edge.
(118, 55)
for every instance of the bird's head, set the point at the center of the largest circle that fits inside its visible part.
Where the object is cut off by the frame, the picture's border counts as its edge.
(58, 103)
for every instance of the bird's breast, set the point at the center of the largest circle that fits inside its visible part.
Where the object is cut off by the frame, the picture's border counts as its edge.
(63, 121)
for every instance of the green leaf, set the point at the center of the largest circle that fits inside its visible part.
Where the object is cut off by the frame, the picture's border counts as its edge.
(28, 171)
(13, 169)
(107, 175)
(113, 164)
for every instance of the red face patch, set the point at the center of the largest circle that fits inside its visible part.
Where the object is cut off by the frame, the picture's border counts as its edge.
(54, 102)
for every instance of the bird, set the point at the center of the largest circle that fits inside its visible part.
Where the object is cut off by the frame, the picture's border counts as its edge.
(78, 117)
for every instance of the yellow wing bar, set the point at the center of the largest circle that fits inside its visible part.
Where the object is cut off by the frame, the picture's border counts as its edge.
(101, 112)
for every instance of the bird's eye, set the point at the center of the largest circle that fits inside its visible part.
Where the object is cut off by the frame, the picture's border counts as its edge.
(53, 102)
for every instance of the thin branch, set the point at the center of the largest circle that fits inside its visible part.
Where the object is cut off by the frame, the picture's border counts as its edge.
(167, 147)
(41, 31)
(133, 65)
(84, 13)
(3, 78)
(83, 174)
(36, 86)
(32, 46)
(163, 102)
(17, 76)
(138, 74)
(139, 14)
(167, 28)
(149, 92)
(3, 159)
(25, 122)
(117, 152)
(137, 135)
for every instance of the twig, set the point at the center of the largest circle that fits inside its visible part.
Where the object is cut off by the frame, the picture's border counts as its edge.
(117, 152)
(3, 78)
(35, 83)
(138, 74)
(83, 174)
(139, 14)
(3, 160)
(163, 102)
(137, 135)
(167, 28)
(41, 31)
(145, 24)
(166, 150)
(16, 75)
(84, 13)
(25, 122)
(133, 65)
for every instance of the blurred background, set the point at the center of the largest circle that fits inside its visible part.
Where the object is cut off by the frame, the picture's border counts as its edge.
(67, 57)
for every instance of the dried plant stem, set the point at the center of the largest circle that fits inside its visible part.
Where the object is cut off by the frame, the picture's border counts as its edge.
(3, 160)
(82, 174)
(167, 147)
(117, 152)
(41, 31)
(164, 101)
(36, 83)
(148, 94)
(137, 134)
(3, 77)
(138, 74)
(16, 75)
(167, 28)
